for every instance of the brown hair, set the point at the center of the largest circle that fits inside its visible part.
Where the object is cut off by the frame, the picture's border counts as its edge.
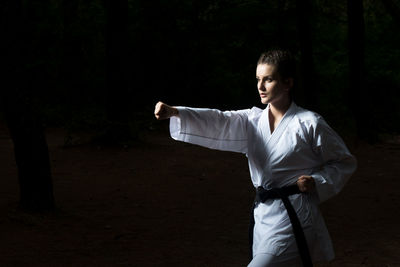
(283, 60)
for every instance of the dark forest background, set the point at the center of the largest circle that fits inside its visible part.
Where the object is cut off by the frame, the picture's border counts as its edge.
(81, 58)
(101, 65)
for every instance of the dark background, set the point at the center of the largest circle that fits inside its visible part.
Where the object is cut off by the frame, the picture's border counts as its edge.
(85, 62)
(79, 143)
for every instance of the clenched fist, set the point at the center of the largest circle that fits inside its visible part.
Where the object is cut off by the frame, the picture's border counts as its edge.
(163, 111)
(306, 184)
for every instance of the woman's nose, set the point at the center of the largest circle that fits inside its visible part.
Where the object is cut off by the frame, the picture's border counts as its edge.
(261, 86)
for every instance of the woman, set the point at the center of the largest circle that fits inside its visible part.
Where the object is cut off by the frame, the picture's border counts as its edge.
(295, 159)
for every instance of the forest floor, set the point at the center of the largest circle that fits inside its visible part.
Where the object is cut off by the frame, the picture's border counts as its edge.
(164, 203)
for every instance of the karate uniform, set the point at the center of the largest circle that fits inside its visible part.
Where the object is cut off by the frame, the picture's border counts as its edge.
(302, 144)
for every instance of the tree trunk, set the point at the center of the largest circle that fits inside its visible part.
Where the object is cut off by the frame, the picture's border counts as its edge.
(307, 78)
(280, 22)
(30, 146)
(359, 100)
(31, 152)
(71, 68)
(118, 97)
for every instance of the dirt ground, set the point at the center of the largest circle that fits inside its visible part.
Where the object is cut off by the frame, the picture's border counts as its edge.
(166, 203)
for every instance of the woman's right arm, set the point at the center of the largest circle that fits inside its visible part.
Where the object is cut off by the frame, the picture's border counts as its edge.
(210, 128)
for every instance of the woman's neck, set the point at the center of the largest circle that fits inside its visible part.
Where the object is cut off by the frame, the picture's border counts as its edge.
(278, 110)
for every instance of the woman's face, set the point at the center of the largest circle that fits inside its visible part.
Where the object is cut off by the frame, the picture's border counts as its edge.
(271, 87)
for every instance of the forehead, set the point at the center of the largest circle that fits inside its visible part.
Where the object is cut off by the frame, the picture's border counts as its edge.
(265, 70)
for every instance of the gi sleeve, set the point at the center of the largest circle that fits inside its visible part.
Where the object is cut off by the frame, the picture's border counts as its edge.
(338, 164)
(211, 128)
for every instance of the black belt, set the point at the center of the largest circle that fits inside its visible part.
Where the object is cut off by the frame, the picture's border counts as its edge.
(282, 193)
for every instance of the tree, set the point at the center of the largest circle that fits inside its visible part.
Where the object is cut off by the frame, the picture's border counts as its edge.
(71, 67)
(359, 102)
(118, 96)
(30, 146)
(307, 72)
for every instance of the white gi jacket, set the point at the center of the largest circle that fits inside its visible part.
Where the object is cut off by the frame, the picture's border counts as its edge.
(302, 144)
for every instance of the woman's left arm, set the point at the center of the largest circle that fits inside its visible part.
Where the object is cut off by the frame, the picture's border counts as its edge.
(337, 163)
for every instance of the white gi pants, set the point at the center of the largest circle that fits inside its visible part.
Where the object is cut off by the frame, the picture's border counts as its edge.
(290, 258)
(269, 260)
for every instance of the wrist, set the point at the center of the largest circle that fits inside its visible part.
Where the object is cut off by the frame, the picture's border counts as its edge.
(175, 111)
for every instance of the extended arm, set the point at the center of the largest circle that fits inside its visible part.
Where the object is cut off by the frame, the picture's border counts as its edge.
(210, 128)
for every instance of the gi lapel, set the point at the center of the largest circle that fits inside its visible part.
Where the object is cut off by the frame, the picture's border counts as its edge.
(271, 142)
(281, 127)
(263, 126)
